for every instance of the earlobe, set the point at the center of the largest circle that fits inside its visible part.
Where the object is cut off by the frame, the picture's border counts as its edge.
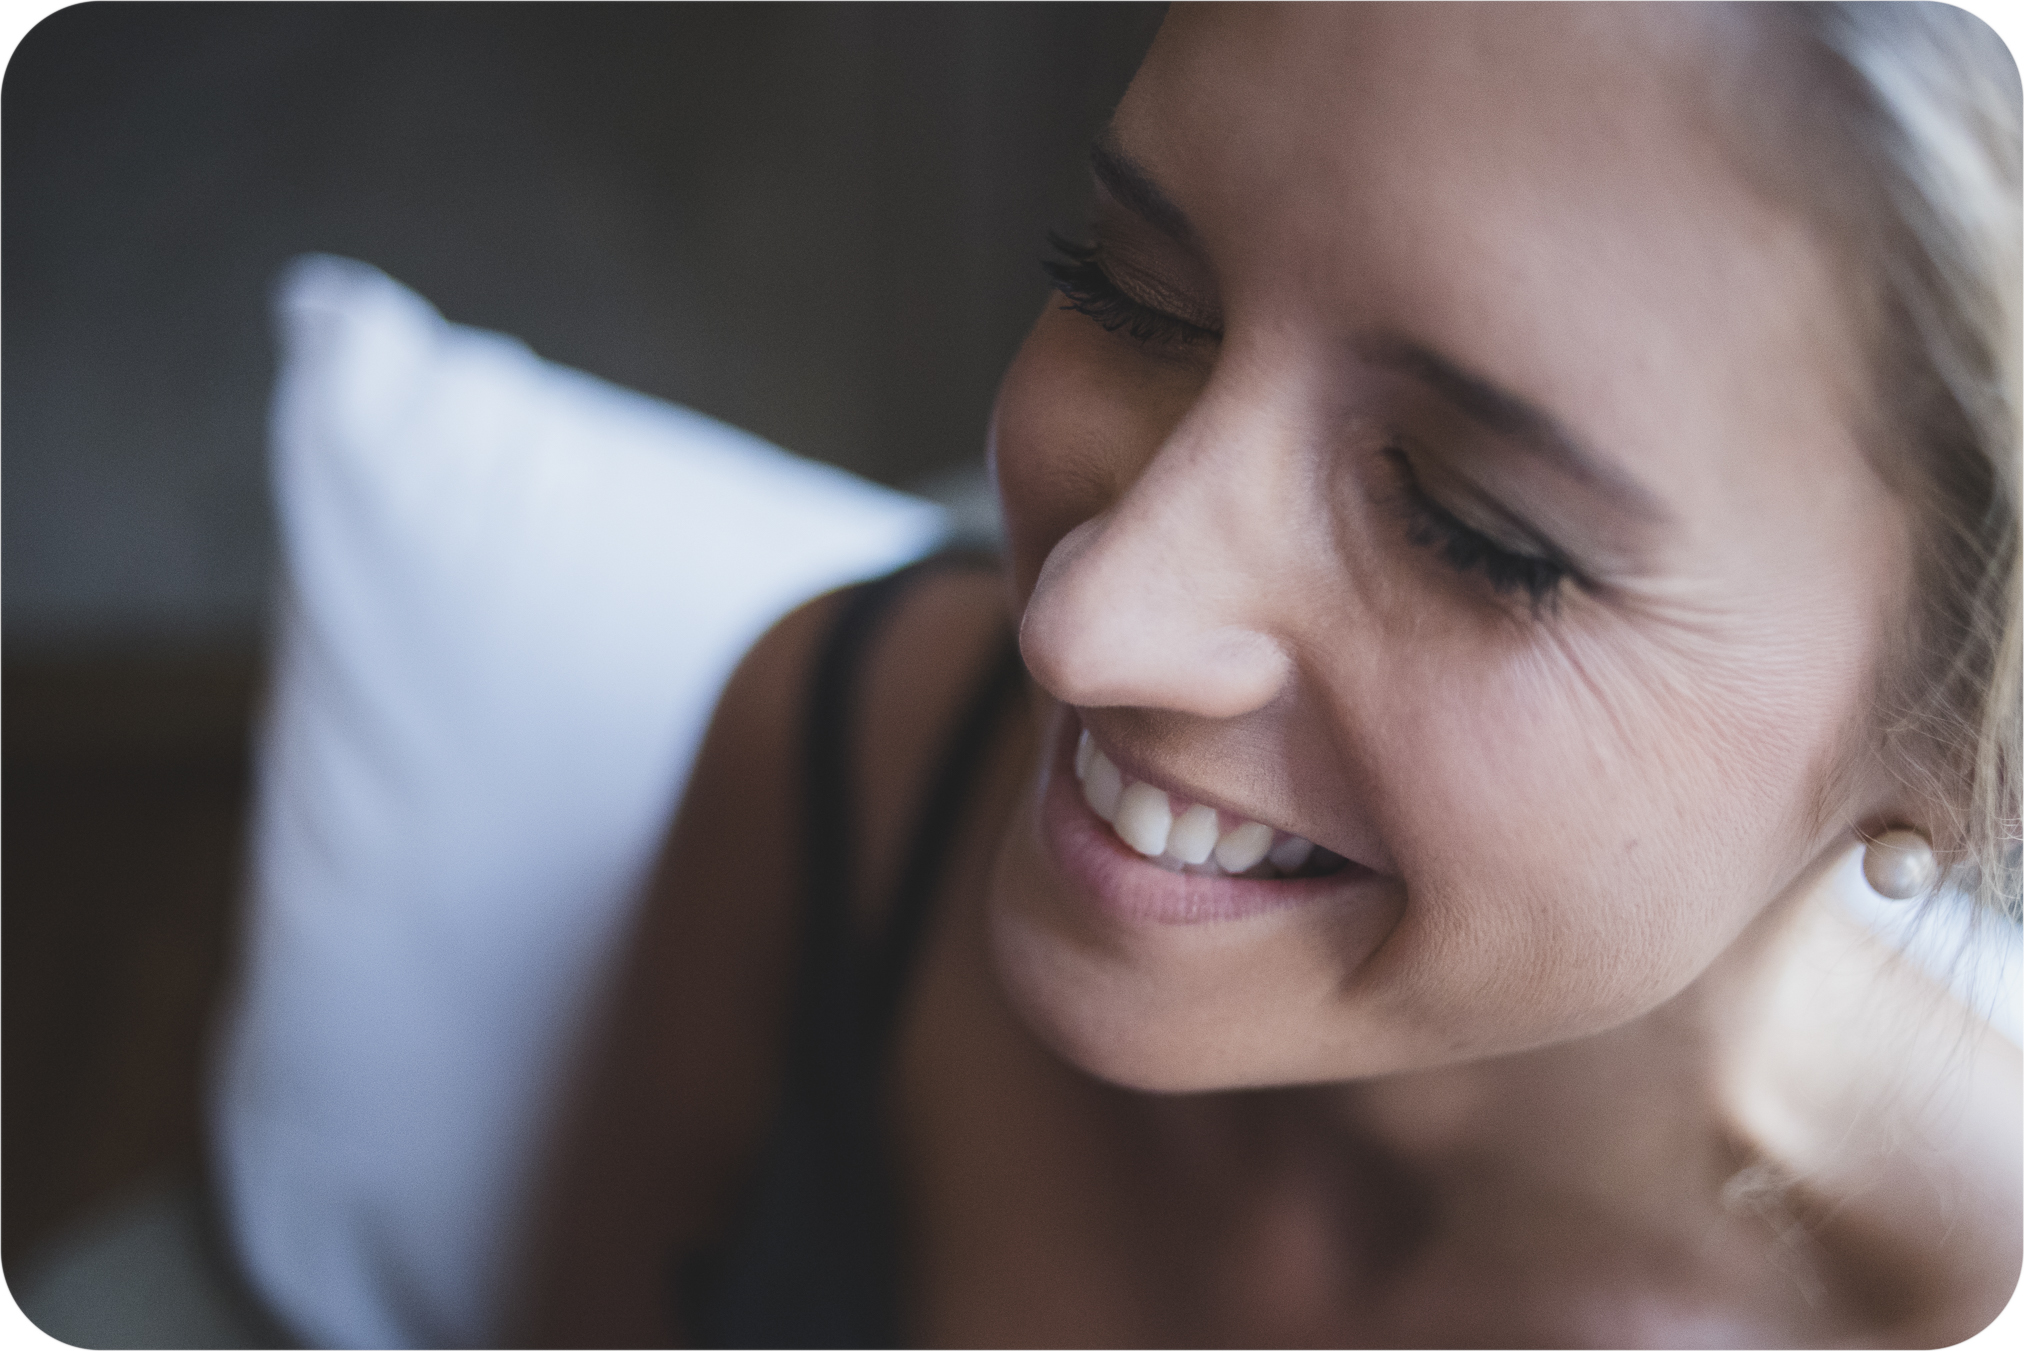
(1899, 864)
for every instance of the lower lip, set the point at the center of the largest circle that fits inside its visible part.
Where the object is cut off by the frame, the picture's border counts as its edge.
(1128, 886)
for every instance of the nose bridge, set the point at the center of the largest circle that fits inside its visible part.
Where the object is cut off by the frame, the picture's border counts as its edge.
(1167, 598)
(1211, 510)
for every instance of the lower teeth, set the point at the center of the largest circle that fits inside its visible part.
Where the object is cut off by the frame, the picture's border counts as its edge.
(1320, 864)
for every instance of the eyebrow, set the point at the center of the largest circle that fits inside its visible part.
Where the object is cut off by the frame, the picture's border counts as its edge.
(1128, 181)
(1511, 417)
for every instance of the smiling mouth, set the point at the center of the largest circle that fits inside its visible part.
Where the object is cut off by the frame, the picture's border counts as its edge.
(1192, 837)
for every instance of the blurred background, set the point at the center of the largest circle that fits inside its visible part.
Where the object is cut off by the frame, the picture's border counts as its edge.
(821, 223)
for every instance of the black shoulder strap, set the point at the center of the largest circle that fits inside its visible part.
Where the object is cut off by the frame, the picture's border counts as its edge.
(827, 1041)
(811, 1259)
(934, 835)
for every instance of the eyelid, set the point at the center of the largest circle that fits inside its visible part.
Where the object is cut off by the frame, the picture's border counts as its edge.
(1091, 290)
(1469, 550)
(1509, 531)
(1148, 289)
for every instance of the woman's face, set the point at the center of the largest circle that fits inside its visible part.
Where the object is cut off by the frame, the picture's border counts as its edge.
(1459, 470)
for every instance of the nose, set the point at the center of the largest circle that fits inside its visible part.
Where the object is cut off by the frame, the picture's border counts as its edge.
(1167, 599)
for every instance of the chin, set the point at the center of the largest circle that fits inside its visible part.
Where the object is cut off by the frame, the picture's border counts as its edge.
(1094, 1036)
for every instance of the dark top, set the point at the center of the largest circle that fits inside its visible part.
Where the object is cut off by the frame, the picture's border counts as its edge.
(812, 1257)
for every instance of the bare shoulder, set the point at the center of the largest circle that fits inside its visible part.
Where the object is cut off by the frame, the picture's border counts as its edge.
(664, 1126)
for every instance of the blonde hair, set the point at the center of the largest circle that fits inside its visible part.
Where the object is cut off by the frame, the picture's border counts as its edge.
(1924, 103)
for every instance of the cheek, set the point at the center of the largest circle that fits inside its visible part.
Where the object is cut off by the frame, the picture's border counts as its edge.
(1586, 819)
(1078, 414)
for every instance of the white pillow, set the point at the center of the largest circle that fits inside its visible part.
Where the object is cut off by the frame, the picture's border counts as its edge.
(511, 595)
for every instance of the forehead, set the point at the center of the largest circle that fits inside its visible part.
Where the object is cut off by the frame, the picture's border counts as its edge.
(1565, 58)
(1495, 100)
(1548, 192)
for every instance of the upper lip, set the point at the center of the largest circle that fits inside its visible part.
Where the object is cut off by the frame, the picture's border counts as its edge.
(1132, 767)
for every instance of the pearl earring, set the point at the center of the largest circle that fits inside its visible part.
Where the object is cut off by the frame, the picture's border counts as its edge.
(1900, 864)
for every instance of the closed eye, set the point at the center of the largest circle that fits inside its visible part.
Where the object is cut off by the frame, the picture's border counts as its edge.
(1078, 274)
(1540, 577)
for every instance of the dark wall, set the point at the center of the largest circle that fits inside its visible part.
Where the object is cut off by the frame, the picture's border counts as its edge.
(819, 222)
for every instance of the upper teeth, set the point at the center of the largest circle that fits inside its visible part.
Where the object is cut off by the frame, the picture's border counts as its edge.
(1181, 835)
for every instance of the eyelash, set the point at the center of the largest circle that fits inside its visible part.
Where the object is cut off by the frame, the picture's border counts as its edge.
(1466, 550)
(1089, 290)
